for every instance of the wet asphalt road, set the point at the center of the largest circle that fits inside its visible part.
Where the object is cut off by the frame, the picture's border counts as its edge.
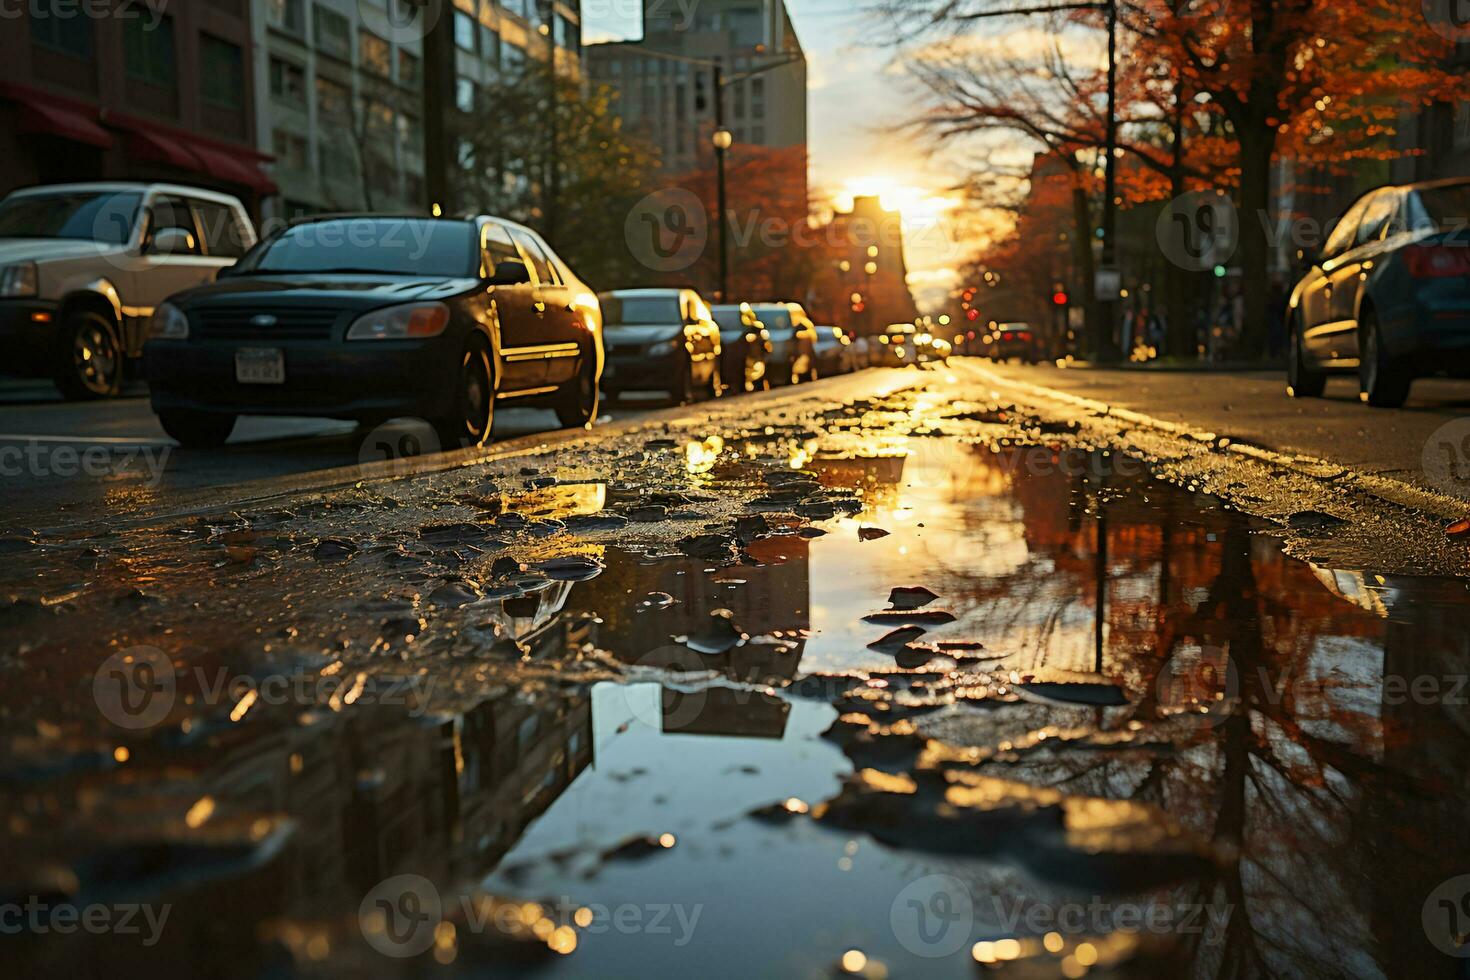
(632, 704)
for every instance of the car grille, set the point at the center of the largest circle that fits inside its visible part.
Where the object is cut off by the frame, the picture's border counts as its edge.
(292, 323)
(625, 350)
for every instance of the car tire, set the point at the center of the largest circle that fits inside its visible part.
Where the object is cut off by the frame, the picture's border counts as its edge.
(196, 430)
(1301, 380)
(473, 415)
(682, 393)
(1383, 382)
(577, 402)
(89, 361)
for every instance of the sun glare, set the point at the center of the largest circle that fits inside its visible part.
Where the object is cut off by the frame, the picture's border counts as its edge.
(917, 205)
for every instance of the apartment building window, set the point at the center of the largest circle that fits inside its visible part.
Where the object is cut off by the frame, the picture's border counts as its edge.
(288, 83)
(758, 98)
(222, 65)
(512, 57)
(338, 161)
(740, 100)
(565, 33)
(412, 133)
(464, 94)
(464, 31)
(289, 149)
(521, 7)
(489, 45)
(409, 75)
(333, 32)
(149, 53)
(71, 35)
(374, 54)
(333, 101)
(758, 135)
(288, 15)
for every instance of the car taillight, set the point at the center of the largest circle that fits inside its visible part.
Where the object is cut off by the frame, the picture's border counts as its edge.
(1025, 335)
(1437, 261)
(1007, 336)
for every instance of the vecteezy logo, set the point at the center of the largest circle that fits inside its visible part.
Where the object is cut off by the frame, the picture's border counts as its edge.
(263, 320)
(400, 21)
(1446, 457)
(399, 916)
(1449, 18)
(1446, 917)
(397, 442)
(134, 688)
(1198, 230)
(933, 916)
(667, 231)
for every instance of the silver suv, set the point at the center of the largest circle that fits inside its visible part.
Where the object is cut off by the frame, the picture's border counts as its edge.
(83, 265)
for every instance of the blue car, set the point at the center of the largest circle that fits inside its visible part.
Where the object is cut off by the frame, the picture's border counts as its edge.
(1388, 295)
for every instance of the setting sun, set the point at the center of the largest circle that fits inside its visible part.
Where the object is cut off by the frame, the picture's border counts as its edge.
(917, 205)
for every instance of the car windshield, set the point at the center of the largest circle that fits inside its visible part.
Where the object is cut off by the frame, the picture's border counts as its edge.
(641, 309)
(1444, 208)
(375, 246)
(94, 216)
(778, 322)
(730, 318)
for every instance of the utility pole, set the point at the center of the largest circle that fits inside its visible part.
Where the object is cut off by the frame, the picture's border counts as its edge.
(723, 141)
(551, 205)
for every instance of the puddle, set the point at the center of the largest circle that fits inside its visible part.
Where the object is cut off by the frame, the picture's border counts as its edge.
(1127, 735)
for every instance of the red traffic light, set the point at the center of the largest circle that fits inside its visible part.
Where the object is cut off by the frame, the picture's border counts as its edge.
(1059, 298)
(973, 315)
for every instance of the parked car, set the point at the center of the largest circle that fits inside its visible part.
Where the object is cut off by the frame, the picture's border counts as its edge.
(746, 348)
(82, 267)
(660, 340)
(793, 339)
(1388, 295)
(368, 318)
(1016, 340)
(833, 351)
(897, 345)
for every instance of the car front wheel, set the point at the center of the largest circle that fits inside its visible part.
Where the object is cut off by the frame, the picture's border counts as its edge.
(90, 358)
(197, 430)
(1384, 383)
(473, 414)
(576, 403)
(1301, 380)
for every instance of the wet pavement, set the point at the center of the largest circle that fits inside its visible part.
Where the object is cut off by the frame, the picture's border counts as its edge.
(907, 685)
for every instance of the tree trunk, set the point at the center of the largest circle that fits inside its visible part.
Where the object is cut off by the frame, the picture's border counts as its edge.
(1256, 146)
(1180, 340)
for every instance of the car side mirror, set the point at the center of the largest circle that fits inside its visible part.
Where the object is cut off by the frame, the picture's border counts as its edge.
(510, 273)
(172, 241)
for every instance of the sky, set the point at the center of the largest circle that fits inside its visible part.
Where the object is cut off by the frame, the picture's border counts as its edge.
(856, 95)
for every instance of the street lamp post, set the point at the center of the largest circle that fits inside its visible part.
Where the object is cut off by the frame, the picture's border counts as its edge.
(723, 140)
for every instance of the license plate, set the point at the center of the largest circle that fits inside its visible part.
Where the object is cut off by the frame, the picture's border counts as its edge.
(260, 366)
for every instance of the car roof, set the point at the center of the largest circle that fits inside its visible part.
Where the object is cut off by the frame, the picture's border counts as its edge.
(1425, 185)
(129, 185)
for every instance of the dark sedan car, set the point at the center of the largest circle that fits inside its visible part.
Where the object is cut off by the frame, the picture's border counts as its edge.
(660, 340)
(793, 339)
(377, 317)
(745, 348)
(1388, 296)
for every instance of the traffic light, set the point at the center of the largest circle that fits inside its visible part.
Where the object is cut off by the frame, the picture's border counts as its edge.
(1059, 298)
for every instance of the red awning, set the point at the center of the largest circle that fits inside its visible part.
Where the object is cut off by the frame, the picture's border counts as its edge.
(148, 144)
(39, 117)
(222, 166)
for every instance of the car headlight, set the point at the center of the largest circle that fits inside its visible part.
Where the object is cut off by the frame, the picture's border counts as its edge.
(401, 322)
(168, 323)
(663, 347)
(18, 280)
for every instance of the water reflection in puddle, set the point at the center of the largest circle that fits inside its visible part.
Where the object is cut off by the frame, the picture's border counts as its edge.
(1136, 702)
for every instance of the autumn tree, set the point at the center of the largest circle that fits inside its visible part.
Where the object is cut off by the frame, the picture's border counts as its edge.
(601, 171)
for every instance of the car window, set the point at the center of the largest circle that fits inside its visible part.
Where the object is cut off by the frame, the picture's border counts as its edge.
(371, 246)
(498, 248)
(777, 322)
(1439, 209)
(221, 229)
(1380, 208)
(1347, 227)
(83, 215)
(174, 212)
(559, 271)
(539, 265)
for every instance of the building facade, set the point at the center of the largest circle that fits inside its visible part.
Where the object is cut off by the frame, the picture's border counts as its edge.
(134, 91)
(665, 85)
(342, 87)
